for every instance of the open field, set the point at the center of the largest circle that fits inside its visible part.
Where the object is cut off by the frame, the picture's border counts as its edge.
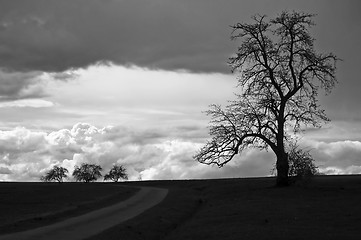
(29, 205)
(325, 208)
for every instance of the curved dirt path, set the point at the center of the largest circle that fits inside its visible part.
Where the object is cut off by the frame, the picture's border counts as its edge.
(89, 224)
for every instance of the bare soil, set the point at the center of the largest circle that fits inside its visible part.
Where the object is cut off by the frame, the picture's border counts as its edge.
(327, 207)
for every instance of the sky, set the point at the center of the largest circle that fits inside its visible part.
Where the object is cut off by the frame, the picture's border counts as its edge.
(127, 82)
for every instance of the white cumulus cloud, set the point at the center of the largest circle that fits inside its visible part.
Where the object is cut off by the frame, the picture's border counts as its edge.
(25, 155)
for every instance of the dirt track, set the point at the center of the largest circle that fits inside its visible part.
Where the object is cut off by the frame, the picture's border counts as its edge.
(97, 221)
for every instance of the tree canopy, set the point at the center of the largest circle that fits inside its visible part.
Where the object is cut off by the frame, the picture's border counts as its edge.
(116, 173)
(87, 172)
(280, 75)
(55, 174)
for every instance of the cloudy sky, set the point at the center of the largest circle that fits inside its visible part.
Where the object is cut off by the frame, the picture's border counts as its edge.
(125, 81)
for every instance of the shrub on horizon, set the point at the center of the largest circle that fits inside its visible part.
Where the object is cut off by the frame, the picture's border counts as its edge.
(301, 164)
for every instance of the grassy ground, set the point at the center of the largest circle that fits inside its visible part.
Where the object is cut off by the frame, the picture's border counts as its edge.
(180, 205)
(325, 208)
(29, 205)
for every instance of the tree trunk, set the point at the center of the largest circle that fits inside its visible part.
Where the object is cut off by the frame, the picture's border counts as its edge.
(282, 170)
(282, 157)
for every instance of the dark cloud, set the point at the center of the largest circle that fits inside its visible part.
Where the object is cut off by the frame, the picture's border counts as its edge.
(20, 85)
(5, 170)
(58, 35)
(54, 36)
(51, 35)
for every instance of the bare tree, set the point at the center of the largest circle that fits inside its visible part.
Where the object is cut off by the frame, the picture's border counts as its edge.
(280, 75)
(55, 174)
(87, 172)
(115, 173)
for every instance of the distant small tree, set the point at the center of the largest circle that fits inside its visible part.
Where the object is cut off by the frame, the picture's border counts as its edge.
(87, 172)
(116, 173)
(55, 174)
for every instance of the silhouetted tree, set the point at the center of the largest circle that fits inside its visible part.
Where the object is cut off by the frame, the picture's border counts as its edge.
(115, 173)
(87, 172)
(280, 76)
(301, 162)
(55, 174)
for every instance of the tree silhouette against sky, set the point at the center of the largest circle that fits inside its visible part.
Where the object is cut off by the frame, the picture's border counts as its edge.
(87, 172)
(280, 75)
(55, 174)
(116, 173)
